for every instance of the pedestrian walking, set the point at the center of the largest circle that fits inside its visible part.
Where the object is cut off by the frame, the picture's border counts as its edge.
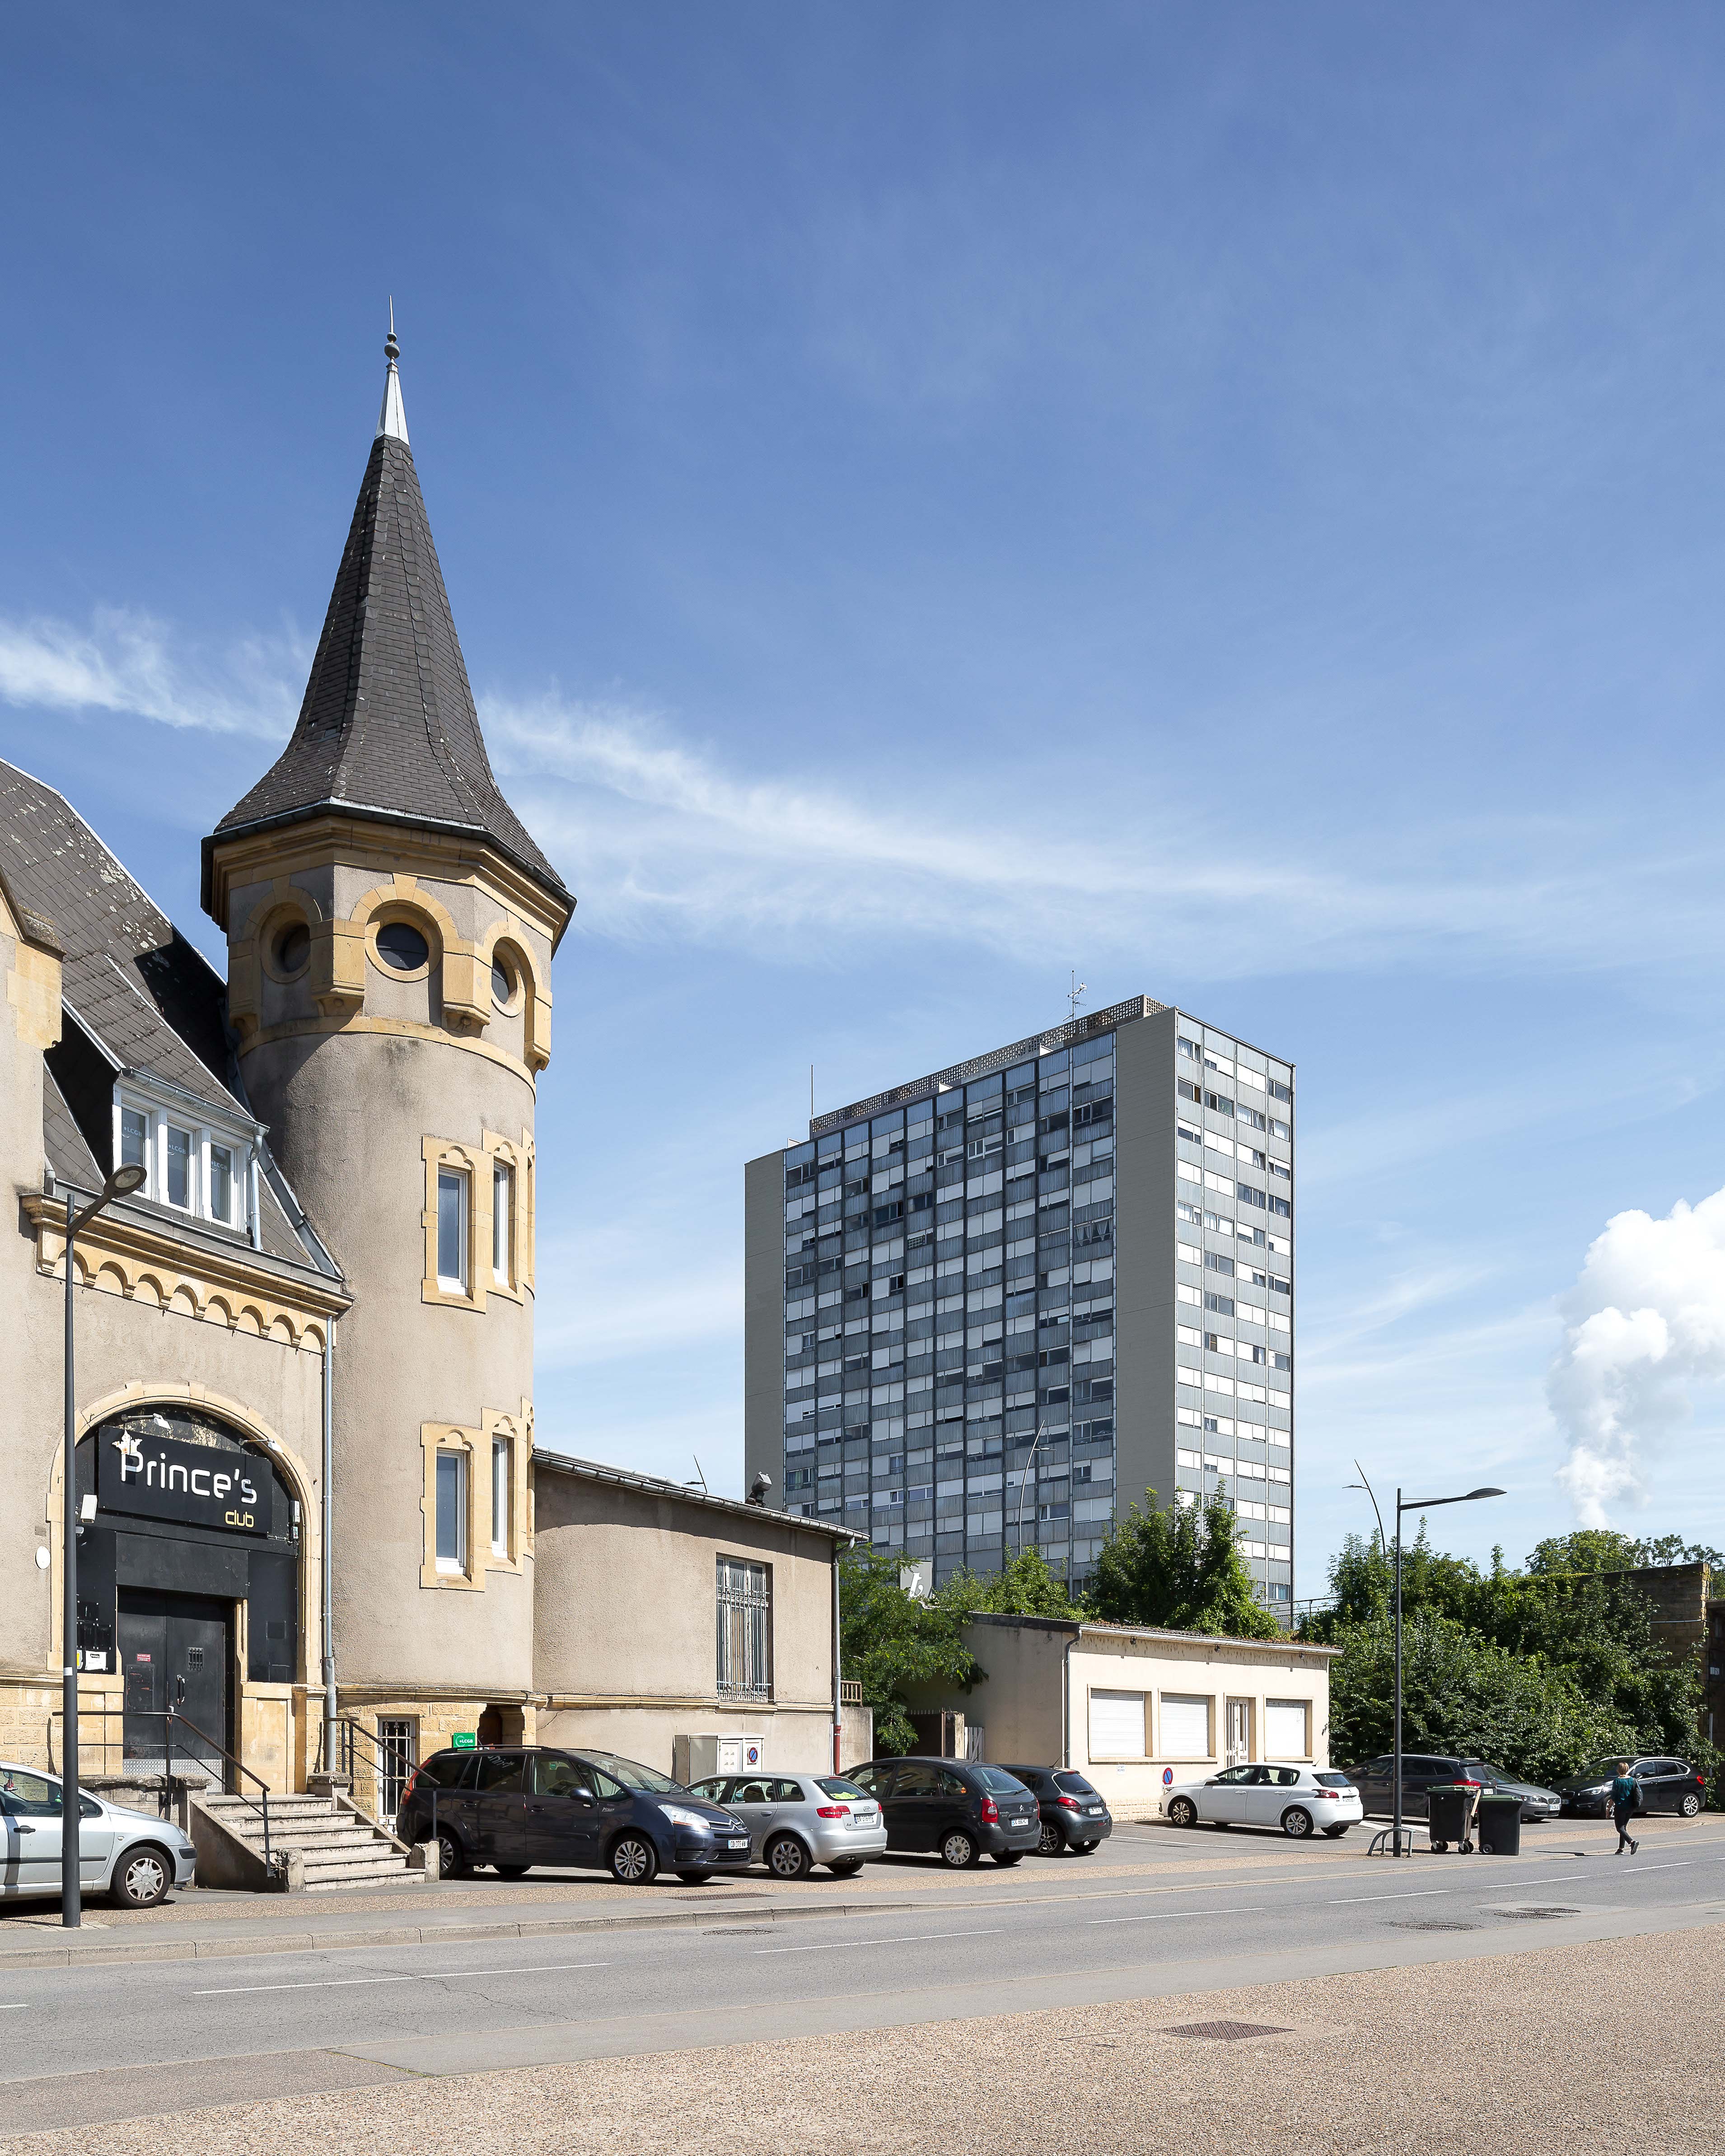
(1625, 1802)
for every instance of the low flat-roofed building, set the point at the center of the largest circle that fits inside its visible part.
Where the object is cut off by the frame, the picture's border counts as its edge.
(662, 1614)
(1134, 1707)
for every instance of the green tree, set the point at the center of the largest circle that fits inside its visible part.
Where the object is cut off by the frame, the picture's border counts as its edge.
(1178, 1567)
(891, 1641)
(1588, 1550)
(1026, 1587)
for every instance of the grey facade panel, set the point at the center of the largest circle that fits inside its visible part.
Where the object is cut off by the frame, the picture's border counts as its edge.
(763, 1322)
(1144, 1233)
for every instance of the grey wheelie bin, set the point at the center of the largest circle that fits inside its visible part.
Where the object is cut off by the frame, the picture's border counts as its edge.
(1450, 1817)
(1500, 1825)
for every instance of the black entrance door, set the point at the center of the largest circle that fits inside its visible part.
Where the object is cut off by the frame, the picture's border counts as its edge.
(175, 1650)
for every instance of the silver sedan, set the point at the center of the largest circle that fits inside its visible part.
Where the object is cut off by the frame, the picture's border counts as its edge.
(796, 1821)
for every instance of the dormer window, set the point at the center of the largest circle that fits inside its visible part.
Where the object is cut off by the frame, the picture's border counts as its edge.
(188, 1165)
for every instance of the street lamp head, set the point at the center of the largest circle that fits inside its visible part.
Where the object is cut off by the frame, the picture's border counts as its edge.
(1484, 1493)
(124, 1180)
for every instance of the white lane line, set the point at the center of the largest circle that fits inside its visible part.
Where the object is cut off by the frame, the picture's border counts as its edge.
(418, 1976)
(907, 1938)
(1418, 1894)
(16, 2006)
(1168, 1915)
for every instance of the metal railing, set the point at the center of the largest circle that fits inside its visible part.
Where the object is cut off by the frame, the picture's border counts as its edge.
(230, 1783)
(387, 1761)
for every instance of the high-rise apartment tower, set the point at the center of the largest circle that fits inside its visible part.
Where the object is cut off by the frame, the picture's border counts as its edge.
(988, 1309)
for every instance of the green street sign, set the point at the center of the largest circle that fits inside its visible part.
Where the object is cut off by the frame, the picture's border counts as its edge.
(464, 1740)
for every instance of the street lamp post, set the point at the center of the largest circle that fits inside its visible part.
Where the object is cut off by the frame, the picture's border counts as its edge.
(120, 1184)
(1419, 1505)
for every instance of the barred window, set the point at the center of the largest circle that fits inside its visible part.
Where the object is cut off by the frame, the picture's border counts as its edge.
(745, 1630)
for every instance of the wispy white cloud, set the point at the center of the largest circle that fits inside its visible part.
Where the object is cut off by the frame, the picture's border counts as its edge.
(126, 662)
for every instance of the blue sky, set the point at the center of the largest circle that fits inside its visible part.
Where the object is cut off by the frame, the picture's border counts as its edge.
(1226, 501)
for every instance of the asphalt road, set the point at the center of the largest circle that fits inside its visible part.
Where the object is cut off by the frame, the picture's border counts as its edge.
(86, 2043)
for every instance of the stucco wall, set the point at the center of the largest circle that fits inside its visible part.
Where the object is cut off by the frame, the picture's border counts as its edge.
(627, 1621)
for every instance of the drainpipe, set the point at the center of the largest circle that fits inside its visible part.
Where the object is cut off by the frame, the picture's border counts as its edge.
(328, 1560)
(838, 1696)
(1072, 1640)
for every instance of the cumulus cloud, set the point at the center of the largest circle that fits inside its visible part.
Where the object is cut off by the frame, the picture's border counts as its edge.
(126, 662)
(1644, 1323)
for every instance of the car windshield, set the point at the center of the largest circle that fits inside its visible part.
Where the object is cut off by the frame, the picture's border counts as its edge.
(1484, 1767)
(1075, 1785)
(997, 1780)
(834, 1787)
(1596, 1770)
(634, 1775)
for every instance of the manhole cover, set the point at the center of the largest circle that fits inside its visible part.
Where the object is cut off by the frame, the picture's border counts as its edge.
(1226, 2032)
(1429, 1924)
(1526, 1913)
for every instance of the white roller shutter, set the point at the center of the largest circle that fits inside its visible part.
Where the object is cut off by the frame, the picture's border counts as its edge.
(1284, 1735)
(1185, 1726)
(1116, 1725)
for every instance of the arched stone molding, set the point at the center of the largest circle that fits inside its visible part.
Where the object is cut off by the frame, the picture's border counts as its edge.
(455, 960)
(536, 1013)
(284, 903)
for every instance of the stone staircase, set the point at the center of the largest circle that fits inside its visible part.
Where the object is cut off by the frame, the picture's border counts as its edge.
(329, 1845)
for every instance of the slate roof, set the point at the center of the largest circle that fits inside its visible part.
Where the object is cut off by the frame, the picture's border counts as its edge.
(388, 727)
(137, 995)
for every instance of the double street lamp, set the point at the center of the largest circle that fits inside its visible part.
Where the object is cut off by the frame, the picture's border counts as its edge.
(121, 1183)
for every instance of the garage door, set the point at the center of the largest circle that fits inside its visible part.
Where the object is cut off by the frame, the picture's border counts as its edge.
(1116, 1725)
(1285, 1732)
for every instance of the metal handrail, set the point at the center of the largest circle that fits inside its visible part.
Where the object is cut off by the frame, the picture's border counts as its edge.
(170, 1717)
(352, 1733)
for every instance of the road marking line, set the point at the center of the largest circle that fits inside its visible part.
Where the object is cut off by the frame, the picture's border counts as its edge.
(1418, 1894)
(905, 1939)
(418, 1976)
(1168, 1915)
(17, 2006)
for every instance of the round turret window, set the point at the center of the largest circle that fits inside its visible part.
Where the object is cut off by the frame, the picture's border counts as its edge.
(293, 948)
(402, 947)
(502, 983)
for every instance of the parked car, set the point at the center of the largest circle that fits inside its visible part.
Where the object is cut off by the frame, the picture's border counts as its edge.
(1298, 1799)
(131, 1857)
(1073, 1814)
(1425, 1770)
(1667, 1785)
(955, 1807)
(796, 1821)
(514, 1806)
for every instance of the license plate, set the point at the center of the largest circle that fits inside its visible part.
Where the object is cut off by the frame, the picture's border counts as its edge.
(1093, 1811)
(743, 1844)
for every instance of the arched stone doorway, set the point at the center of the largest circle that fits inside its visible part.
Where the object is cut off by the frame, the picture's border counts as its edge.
(189, 1575)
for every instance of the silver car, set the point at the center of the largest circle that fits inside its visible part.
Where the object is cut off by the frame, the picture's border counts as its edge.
(132, 1857)
(796, 1821)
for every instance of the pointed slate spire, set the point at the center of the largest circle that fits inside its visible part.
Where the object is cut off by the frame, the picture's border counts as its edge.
(387, 728)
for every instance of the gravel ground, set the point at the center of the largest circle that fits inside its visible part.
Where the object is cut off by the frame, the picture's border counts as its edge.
(1533, 2055)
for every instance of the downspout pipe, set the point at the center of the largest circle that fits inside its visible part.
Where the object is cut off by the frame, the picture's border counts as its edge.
(326, 1553)
(838, 1696)
(1072, 1640)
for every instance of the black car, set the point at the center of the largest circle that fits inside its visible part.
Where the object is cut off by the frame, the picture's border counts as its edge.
(1073, 1814)
(514, 1806)
(952, 1806)
(1667, 1785)
(1375, 1780)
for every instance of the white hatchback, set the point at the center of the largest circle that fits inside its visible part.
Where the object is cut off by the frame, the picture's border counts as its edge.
(131, 1857)
(1301, 1800)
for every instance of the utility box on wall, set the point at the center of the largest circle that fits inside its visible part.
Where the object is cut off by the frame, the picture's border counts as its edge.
(693, 1758)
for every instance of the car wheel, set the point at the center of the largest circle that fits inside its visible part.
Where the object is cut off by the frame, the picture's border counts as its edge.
(142, 1877)
(846, 1867)
(959, 1851)
(695, 1878)
(1009, 1857)
(1296, 1823)
(510, 1870)
(634, 1862)
(1335, 1833)
(1052, 1841)
(1690, 1805)
(1182, 1812)
(787, 1858)
(451, 1857)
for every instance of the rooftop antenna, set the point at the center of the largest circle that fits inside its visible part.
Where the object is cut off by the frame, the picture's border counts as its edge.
(1075, 994)
(697, 1477)
(811, 1092)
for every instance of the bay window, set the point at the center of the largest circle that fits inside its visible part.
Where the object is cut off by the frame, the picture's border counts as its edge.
(188, 1165)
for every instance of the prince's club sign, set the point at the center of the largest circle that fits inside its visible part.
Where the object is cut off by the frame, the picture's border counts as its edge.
(164, 1479)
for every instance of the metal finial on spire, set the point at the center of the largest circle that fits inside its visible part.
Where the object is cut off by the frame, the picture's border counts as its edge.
(392, 419)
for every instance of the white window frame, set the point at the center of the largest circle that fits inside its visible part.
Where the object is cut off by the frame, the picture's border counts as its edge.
(503, 1212)
(158, 1120)
(462, 1177)
(455, 1564)
(502, 1494)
